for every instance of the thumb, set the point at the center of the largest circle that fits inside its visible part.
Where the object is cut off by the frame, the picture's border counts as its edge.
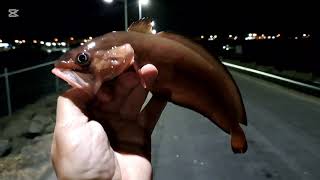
(71, 108)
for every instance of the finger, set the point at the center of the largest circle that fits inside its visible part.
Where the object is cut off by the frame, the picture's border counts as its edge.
(148, 74)
(135, 100)
(71, 107)
(131, 108)
(152, 112)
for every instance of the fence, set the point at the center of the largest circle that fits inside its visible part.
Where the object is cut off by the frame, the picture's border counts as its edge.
(23, 83)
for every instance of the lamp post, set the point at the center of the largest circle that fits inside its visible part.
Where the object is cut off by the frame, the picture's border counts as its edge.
(142, 3)
(125, 12)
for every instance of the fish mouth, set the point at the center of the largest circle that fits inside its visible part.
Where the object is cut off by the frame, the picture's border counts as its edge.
(74, 79)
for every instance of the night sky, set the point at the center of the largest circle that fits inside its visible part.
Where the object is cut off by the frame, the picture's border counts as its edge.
(46, 19)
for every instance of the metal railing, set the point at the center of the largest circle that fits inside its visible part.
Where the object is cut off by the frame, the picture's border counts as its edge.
(7, 74)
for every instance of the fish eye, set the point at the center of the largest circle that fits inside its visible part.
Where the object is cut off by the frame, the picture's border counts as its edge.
(83, 59)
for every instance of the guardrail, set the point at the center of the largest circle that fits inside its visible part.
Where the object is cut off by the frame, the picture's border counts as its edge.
(7, 74)
(272, 76)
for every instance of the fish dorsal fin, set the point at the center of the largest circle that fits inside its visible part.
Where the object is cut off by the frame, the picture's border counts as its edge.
(143, 25)
(200, 50)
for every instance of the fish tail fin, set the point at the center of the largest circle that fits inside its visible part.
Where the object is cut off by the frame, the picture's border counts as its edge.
(238, 140)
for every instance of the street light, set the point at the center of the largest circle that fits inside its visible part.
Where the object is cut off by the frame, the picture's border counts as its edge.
(125, 12)
(142, 3)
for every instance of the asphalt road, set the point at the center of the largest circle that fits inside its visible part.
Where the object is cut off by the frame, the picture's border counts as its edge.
(283, 139)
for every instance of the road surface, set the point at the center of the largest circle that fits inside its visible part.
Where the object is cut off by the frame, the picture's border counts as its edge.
(283, 139)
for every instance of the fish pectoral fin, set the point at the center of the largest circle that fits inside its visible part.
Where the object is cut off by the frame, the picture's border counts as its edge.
(143, 25)
(238, 140)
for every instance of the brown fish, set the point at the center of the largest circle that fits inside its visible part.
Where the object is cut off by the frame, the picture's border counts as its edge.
(187, 74)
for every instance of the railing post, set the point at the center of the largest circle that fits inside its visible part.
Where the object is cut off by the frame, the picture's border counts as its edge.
(6, 76)
(57, 84)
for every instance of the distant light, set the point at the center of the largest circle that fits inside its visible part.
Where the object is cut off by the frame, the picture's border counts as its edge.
(295, 37)
(0, 40)
(223, 47)
(154, 31)
(41, 42)
(202, 36)
(55, 39)
(23, 41)
(20, 42)
(81, 44)
(278, 35)
(64, 50)
(54, 44)
(144, 2)
(254, 34)
(5, 45)
(71, 38)
(230, 36)
(63, 44)
(35, 41)
(49, 50)
(114, 31)
(152, 23)
(227, 49)
(90, 37)
(250, 34)
(85, 40)
(269, 37)
(235, 38)
(273, 37)
(48, 44)
(215, 36)
(16, 41)
(13, 47)
(304, 35)
(108, 1)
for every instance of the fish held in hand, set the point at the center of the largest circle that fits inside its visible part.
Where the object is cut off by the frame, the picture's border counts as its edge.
(187, 74)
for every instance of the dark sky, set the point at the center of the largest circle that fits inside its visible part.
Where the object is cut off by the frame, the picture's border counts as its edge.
(94, 17)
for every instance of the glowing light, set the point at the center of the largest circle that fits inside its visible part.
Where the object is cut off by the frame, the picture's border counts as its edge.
(304, 35)
(35, 41)
(235, 38)
(154, 31)
(202, 36)
(250, 34)
(81, 44)
(63, 44)
(278, 35)
(85, 40)
(20, 42)
(55, 39)
(5, 45)
(144, 2)
(152, 23)
(273, 37)
(269, 37)
(64, 50)
(0, 40)
(41, 42)
(49, 50)
(16, 41)
(48, 44)
(91, 45)
(53, 44)
(71, 38)
(90, 37)
(254, 34)
(223, 47)
(230, 36)
(215, 36)
(108, 1)
(295, 37)
(23, 41)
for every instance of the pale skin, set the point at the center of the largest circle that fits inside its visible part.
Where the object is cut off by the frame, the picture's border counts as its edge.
(81, 147)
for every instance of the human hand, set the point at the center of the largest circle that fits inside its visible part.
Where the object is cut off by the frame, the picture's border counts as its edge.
(116, 143)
